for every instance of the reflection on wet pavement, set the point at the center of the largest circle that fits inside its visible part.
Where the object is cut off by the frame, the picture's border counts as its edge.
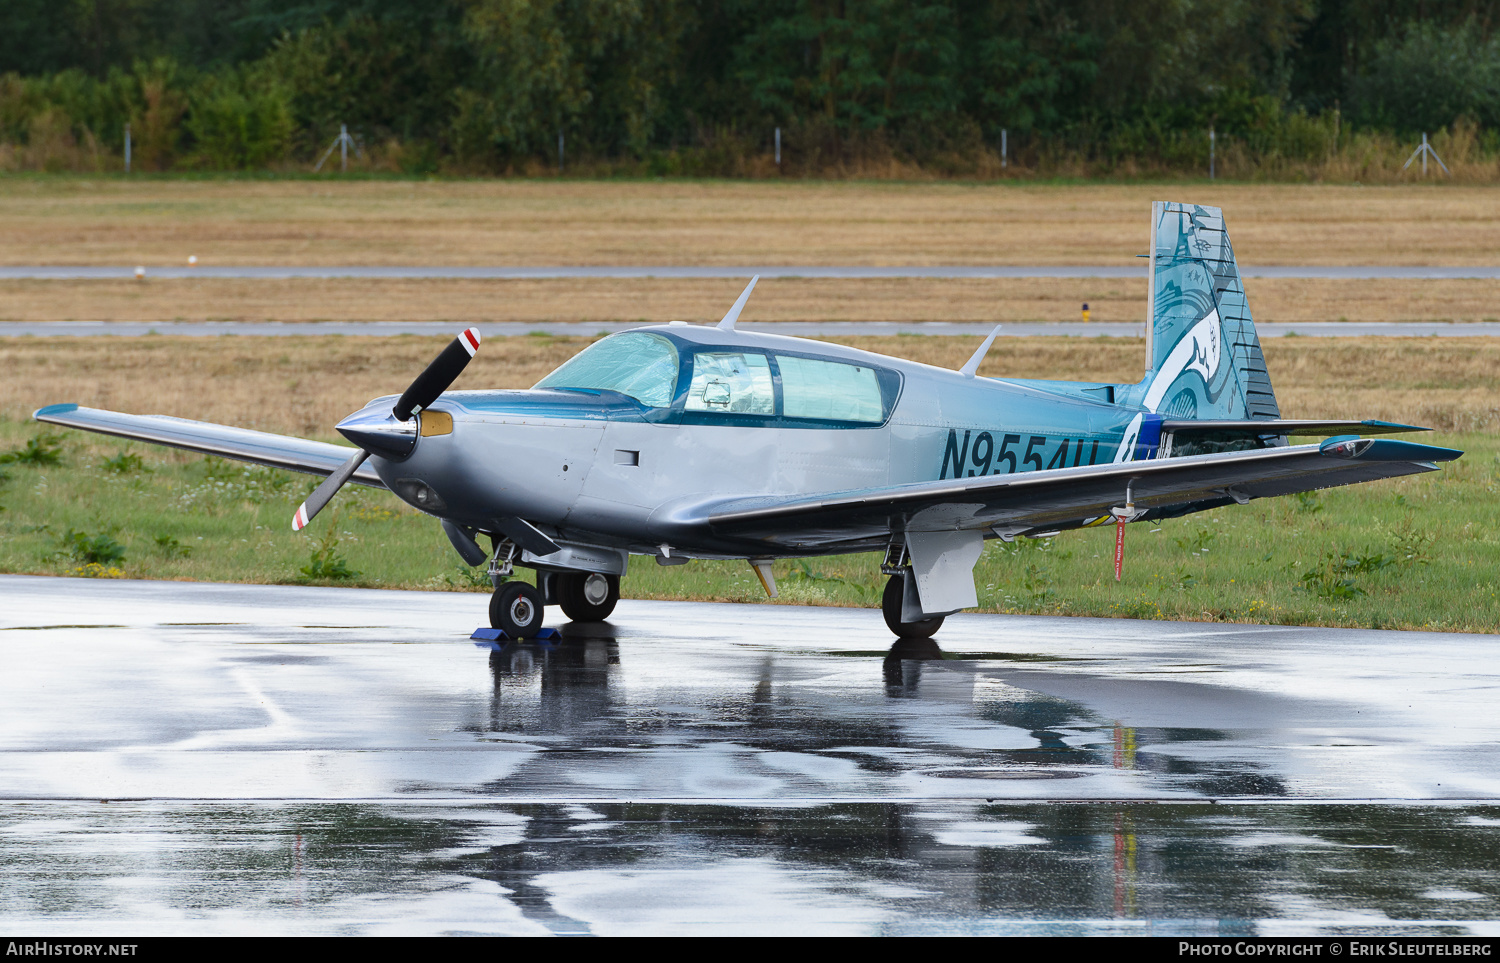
(200, 758)
(857, 868)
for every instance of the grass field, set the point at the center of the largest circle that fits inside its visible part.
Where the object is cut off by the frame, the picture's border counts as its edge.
(776, 299)
(79, 220)
(72, 220)
(1415, 552)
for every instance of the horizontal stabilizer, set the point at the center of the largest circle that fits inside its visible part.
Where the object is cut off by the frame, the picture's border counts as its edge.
(206, 438)
(1286, 426)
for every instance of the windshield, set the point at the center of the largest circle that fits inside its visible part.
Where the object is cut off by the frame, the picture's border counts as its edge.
(643, 366)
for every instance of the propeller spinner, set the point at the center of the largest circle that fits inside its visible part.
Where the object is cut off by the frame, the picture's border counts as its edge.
(431, 383)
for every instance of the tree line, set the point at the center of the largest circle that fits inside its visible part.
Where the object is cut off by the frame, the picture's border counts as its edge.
(698, 86)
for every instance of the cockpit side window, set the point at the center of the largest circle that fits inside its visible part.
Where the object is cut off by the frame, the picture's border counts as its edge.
(641, 365)
(732, 382)
(829, 390)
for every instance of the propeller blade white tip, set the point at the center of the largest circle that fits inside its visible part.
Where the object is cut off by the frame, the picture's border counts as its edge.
(470, 340)
(300, 520)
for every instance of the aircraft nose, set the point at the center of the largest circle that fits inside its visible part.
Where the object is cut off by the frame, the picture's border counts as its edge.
(377, 431)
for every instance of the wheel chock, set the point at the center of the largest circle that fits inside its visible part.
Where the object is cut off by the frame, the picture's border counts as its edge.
(487, 634)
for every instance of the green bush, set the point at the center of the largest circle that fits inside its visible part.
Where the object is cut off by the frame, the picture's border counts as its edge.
(1428, 78)
(98, 549)
(239, 123)
(38, 452)
(326, 564)
(169, 547)
(125, 463)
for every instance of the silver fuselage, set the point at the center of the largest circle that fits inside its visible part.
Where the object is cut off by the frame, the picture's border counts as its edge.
(600, 468)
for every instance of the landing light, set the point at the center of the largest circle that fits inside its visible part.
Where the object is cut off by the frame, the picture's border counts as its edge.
(1347, 446)
(416, 492)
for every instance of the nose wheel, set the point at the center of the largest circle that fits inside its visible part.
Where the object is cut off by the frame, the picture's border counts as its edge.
(890, 607)
(516, 609)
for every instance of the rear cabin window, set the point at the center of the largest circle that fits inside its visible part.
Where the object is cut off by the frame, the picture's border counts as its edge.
(643, 366)
(829, 390)
(731, 382)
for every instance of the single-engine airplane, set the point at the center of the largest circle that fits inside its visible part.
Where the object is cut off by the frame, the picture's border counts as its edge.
(684, 441)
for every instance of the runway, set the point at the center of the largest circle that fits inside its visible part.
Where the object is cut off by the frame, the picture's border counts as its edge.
(434, 272)
(803, 329)
(199, 758)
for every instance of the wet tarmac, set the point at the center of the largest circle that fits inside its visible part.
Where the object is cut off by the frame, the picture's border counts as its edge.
(196, 758)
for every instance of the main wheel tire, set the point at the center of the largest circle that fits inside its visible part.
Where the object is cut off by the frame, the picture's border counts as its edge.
(890, 607)
(516, 609)
(587, 596)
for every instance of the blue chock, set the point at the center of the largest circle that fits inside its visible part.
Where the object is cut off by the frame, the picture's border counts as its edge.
(487, 634)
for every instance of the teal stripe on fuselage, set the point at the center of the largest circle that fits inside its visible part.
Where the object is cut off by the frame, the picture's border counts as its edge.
(564, 404)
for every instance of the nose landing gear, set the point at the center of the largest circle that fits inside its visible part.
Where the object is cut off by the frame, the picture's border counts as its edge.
(516, 609)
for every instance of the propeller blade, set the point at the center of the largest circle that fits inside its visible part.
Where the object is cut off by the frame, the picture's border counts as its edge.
(435, 380)
(324, 493)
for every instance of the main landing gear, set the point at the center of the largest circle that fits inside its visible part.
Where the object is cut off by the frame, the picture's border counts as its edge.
(587, 596)
(890, 607)
(517, 609)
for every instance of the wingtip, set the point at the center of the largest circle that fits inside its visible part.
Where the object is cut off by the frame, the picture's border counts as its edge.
(1386, 449)
(1391, 426)
(45, 410)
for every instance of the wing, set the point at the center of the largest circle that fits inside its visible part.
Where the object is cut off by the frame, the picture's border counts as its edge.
(242, 444)
(1069, 497)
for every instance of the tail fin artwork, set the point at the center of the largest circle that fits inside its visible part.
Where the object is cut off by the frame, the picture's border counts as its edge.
(1206, 389)
(1203, 357)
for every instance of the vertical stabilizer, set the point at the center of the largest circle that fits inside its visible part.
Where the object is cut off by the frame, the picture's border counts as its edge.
(1203, 357)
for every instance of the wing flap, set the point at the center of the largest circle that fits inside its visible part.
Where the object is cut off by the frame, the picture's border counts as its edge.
(1072, 496)
(206, 438)
(1284, 426)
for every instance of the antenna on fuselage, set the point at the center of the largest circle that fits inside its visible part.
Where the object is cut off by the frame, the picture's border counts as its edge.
(972, 365)
(734, 313)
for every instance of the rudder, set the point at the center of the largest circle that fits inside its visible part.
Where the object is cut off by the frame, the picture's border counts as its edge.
(1203, 356)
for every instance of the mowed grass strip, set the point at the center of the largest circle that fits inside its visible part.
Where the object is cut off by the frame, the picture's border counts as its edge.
(1419, 552)
(151, 221)
(650, 300)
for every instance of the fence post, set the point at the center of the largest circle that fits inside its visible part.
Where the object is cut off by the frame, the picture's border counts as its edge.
(1004, 148)
(778, 147)
(559, 151)
(127, 148)
(1210, 152)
